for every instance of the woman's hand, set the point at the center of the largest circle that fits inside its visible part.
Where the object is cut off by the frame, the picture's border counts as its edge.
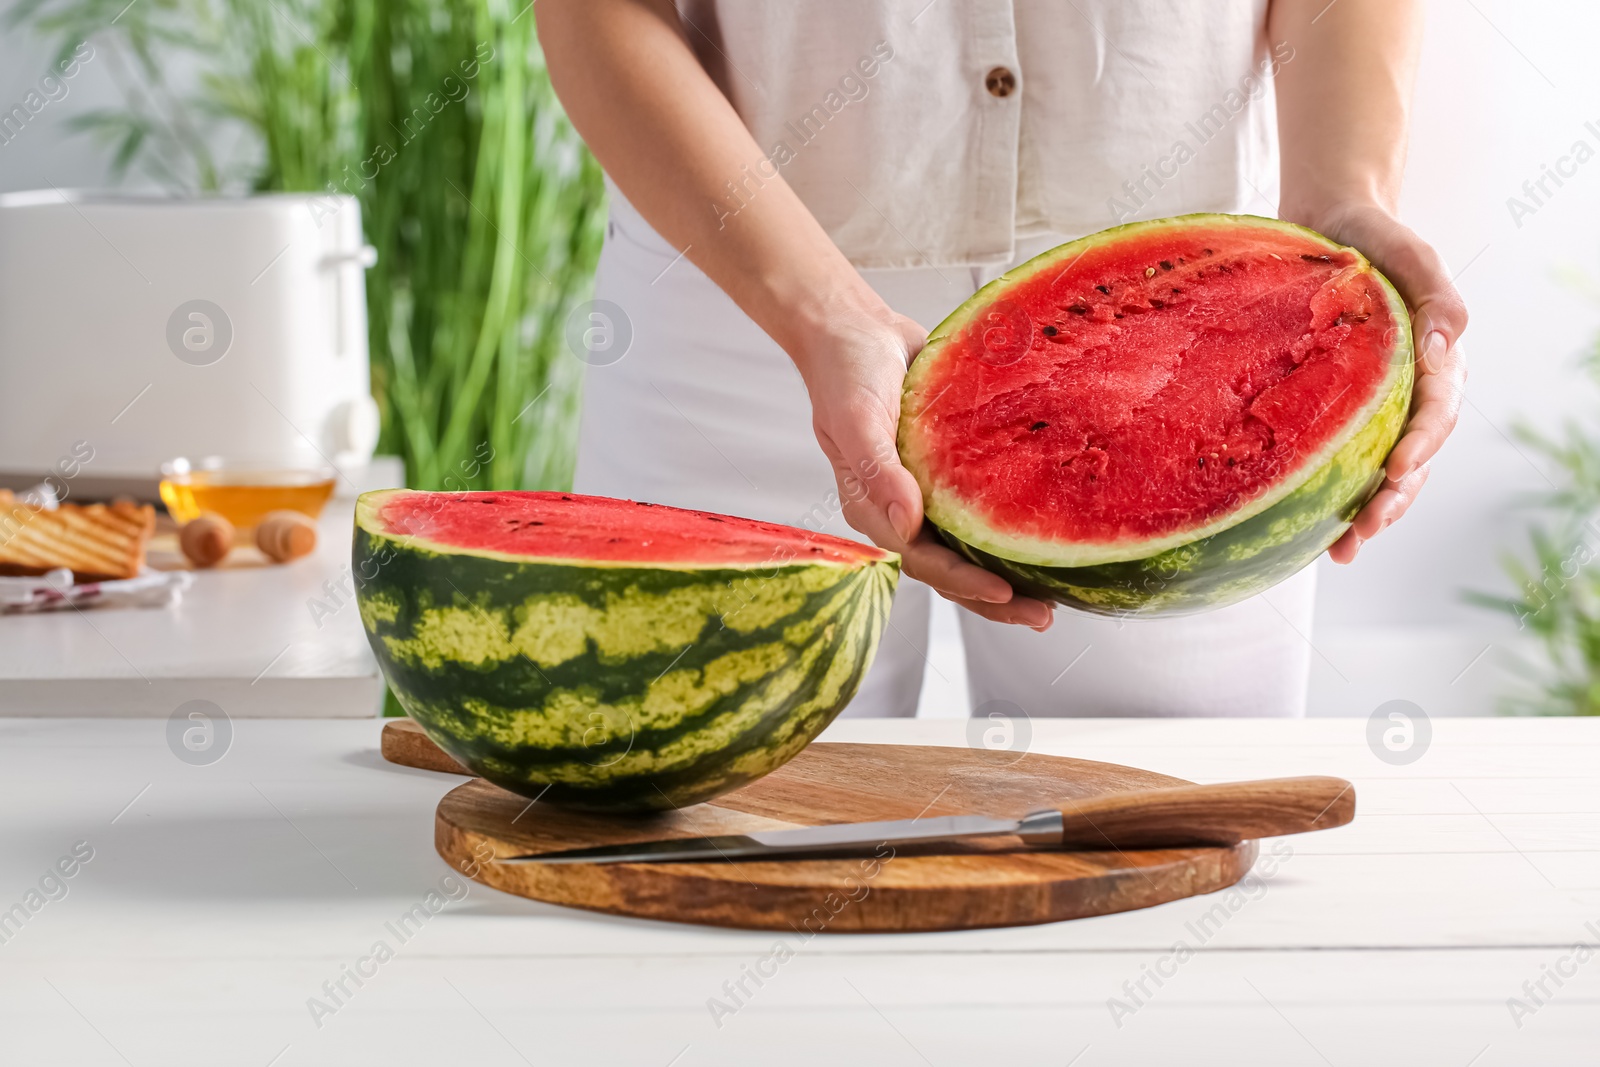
(1343, 88)
(854, 374)
(1438, 318)
(671, 140)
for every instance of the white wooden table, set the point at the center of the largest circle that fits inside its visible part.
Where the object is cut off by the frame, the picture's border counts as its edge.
(221, 898)
(253, 638)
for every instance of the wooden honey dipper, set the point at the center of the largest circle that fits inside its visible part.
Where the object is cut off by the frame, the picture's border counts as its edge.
(285, 535)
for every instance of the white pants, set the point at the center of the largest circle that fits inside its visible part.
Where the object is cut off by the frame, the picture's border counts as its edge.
(705, 411)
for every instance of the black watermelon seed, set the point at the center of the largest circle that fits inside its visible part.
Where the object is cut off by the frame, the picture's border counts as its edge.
(1207, 251)
(1230, 461)
(1049, 331)
(1166, 264)
(1317, 259)
(1106, 289)
(1041, 424)
(1079, 309)
(1201, 460)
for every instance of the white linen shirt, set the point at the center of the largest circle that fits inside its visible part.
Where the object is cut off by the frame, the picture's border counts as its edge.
(937, 132)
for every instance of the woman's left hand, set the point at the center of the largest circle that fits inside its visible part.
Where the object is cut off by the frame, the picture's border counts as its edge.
(1438, 318)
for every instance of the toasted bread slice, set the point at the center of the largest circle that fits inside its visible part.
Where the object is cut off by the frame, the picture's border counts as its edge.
(96, 541)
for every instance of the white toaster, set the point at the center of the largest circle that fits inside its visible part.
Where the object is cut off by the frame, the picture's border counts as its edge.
(136, 330)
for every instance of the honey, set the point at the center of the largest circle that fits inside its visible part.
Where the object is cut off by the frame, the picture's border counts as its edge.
(243, 496)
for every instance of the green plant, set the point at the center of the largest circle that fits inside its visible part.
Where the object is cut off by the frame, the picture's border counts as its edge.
(1559, 587)
(438, 117)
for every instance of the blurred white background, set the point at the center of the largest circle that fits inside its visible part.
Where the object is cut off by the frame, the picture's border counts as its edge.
(1505, 88)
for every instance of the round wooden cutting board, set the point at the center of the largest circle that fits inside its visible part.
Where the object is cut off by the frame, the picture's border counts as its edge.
(989, 884)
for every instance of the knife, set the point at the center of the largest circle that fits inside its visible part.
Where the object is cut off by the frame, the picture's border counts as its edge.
(1182, 816)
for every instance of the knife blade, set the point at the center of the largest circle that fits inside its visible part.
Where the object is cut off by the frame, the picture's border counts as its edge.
(1174, 817)
(834, 838)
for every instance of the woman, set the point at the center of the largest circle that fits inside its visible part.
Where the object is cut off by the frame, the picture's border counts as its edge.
(800, 190)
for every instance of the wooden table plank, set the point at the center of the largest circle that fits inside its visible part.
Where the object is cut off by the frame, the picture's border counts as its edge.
(1414, 1007)
(300, 651)
(220, 898)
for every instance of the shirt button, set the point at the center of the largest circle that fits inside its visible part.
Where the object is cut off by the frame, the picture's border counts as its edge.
(1000, 82)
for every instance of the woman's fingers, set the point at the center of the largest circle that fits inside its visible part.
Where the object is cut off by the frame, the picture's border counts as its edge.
(1344, 550)
(1417, 271)
(1436, 406)
(1381, 511)
(928, 561)
(867, 466)
(1390, 503)
(935, 565)
(856, 414)
(1438, 319)
(952, 577)
(1021, 611)
(856, 411)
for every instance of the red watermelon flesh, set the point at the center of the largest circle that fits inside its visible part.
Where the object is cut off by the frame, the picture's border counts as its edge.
(569, 526)
(1164, 379)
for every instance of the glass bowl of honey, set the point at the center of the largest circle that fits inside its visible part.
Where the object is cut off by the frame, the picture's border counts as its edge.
(243, 492)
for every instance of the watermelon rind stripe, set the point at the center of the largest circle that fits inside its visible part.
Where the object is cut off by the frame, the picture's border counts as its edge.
(617, 688)
(768, 648)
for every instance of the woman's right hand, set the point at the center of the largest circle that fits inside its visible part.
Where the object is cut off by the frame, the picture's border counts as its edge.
(854, 373)
(671, 140)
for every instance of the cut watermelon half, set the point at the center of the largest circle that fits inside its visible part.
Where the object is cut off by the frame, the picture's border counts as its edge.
(1164, 417)
(608, 654)
(598, 531)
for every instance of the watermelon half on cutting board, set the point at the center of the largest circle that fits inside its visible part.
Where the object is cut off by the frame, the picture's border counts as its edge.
(613, 655)
(1162, 418)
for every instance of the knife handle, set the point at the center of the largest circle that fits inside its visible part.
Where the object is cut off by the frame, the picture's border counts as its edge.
(1221, 814)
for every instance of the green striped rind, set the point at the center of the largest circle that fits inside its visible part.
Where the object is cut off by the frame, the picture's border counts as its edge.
(617, 688)
(1244, 550)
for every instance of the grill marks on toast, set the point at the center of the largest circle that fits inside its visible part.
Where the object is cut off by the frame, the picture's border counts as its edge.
(96, 541)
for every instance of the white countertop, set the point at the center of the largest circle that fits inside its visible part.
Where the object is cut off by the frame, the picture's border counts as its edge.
(255, 639)
(220, 898)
